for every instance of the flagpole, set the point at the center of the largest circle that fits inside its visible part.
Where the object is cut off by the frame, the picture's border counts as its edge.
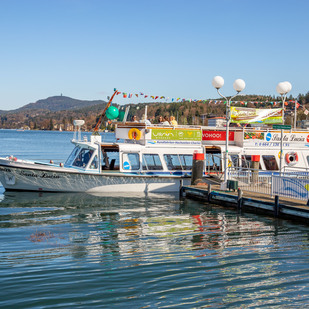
(96, 129)
(295, 114)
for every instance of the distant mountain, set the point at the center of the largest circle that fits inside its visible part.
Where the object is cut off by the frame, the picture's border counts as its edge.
(58, 103)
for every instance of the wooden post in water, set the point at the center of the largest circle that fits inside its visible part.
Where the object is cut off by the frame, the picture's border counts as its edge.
(239, 199)
(276, 208)
(209, 193)
(197, 168)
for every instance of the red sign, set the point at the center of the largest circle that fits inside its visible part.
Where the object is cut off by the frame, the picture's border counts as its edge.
(217, 136)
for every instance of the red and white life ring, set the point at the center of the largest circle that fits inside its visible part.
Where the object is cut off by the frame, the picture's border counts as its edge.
(291, 158)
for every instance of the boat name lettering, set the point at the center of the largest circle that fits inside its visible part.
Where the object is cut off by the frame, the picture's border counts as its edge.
(5, 169)
(286, 138)
(294, 138)
(43, 175)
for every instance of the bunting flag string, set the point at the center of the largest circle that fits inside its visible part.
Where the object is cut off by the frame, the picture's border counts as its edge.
(142, 95)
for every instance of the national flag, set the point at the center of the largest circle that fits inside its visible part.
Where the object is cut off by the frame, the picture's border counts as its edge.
(125, 95)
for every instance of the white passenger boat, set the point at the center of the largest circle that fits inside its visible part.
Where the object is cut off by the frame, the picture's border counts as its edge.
(143, 159)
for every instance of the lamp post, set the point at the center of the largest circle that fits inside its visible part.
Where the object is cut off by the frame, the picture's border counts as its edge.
(239, 85)
(283, 88)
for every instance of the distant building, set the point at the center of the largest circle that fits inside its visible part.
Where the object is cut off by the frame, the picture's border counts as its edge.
(304, 124)
(217, 122)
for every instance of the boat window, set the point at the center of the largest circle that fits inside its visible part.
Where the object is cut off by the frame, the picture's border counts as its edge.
(270, 163)
(72, 156)
(83, 158)
(213, 162)
(245, 161)
(234, 159)
(110, 159)
(94, 163)
(178, 161)
(152, 162)
(172, 162)
(186, 161)
(130, 161)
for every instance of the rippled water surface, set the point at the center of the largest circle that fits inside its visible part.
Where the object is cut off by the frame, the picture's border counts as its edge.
(155, 251)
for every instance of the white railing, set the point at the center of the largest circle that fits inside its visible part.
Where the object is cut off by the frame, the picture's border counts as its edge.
(292, 184)
(251, 180)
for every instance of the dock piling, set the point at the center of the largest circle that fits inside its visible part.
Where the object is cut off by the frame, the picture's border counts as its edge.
(277, 206)
(197, 168)
(239, 199)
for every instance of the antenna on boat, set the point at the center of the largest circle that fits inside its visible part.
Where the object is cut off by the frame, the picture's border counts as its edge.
(96, 129)
(126, 114)
(77, 125)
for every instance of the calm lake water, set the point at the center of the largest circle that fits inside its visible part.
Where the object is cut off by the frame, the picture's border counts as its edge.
(155, 251)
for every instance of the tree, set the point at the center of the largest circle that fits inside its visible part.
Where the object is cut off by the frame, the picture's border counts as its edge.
(51, 125)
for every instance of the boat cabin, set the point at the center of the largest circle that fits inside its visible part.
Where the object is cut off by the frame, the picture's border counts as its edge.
(263, 145)
(139, 149)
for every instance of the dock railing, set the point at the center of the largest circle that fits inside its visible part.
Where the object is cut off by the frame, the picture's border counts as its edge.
(290, 183)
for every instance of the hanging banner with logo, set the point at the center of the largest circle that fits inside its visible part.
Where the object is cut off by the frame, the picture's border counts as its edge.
(178, 134)
(254, 115)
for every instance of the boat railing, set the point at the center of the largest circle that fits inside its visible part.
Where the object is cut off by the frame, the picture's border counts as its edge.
(288, 183)
(143, 125)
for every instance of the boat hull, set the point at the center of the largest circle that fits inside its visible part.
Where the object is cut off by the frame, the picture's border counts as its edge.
(36, 177)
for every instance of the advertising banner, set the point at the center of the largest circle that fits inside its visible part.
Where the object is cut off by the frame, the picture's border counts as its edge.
(254, 115)
(217, 135)
(176, 134)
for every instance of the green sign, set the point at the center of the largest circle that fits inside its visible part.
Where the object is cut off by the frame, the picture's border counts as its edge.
(281, 127)
(176, 134)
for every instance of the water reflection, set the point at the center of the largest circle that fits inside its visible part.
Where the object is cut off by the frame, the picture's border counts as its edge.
(145, 247)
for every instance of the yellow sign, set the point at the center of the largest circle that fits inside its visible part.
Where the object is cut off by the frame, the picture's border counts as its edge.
(176, 134)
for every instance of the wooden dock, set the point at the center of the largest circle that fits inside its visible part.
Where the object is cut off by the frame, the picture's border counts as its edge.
(260, 203)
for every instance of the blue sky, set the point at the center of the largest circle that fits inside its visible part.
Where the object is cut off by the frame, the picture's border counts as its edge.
(85, 48)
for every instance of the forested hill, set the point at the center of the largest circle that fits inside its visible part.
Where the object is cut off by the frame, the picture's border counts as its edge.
(58, 103)
(58, 112)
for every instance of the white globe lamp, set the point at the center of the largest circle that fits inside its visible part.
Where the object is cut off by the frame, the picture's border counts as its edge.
(289, 86)
(282, 88)
(239, 85)
(218, 82)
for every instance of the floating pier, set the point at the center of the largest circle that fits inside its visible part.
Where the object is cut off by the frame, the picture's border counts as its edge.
(245, 201)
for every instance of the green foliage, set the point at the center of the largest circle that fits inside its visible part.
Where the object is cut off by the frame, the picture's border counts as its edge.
(46, 114)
